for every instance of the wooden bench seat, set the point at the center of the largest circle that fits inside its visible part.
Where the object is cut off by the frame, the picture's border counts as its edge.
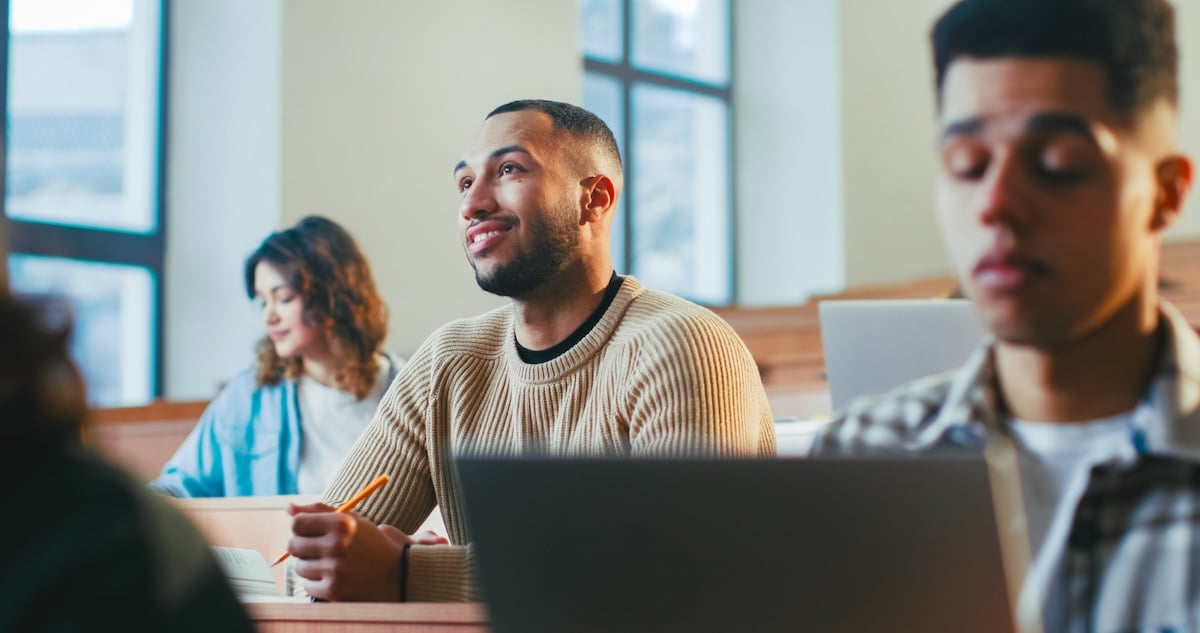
(142, 439)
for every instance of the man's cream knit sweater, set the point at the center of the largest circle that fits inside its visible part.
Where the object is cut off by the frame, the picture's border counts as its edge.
(656, 375)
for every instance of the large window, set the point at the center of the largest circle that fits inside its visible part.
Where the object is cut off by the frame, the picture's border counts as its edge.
(83, 179)
(659, 73)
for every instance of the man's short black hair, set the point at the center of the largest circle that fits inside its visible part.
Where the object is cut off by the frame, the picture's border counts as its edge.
(572, 119)
(1132, 40)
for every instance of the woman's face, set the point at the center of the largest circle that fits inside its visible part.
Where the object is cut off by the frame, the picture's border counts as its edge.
(283, 315)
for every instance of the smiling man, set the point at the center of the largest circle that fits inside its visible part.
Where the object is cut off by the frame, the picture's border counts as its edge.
(1059, 174)
(583, 362)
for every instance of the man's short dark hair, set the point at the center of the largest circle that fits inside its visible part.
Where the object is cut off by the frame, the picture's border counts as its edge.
(571, 119)
(1132, 40)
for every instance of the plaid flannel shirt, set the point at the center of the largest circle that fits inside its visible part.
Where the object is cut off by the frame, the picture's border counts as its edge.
(1132, 557)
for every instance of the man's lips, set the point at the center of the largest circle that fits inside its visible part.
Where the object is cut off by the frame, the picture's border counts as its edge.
(485, 235)
(1007, 271)
(277, 334)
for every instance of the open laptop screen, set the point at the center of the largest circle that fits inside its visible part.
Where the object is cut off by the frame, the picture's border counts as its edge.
(873, 346)
(831, 544)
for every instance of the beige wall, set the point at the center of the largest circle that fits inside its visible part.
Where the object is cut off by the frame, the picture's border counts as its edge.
(888, 140)
(378, 103)
(788, 150)
(354, 110)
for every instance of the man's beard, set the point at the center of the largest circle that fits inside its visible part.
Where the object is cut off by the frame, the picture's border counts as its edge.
(554, 242)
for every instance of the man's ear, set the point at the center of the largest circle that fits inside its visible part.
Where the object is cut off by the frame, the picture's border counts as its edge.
(1174, 176)
(599, 197)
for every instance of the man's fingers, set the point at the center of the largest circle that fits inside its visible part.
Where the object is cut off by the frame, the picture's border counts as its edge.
(310, 548)
(303, 508)
(321, 523)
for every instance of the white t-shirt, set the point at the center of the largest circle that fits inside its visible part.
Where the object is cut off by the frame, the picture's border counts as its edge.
(330, 422)
(1056, 460)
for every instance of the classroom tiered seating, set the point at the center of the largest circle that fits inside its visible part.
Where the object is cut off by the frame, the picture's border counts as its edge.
(785, 342)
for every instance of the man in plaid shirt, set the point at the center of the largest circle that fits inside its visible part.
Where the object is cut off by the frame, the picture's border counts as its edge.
(1059, 173)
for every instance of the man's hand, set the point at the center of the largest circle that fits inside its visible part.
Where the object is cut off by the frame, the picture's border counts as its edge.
(346, 557)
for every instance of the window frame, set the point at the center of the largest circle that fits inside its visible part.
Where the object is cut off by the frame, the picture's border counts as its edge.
(626, 74)
(102, 245)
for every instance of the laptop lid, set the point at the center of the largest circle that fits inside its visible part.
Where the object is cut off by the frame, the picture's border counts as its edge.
(874, 346)
(831, 544)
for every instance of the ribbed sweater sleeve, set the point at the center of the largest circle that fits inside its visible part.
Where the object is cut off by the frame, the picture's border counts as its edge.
(405, 441)
(694, 388)
(657, 375)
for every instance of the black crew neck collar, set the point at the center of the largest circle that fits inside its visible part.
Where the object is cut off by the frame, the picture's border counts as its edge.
(537, 357)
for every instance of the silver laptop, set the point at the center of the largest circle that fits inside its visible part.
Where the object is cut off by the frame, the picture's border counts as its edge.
(832, 544)
(873, 346)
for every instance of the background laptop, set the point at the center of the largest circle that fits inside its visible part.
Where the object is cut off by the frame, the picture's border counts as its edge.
(873, 346)
(855, 545)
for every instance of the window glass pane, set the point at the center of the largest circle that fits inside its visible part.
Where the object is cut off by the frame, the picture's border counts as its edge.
(601, 21)
(112, 338)
(680, 182)
(602, 95)
(688, 38)
(82, 112)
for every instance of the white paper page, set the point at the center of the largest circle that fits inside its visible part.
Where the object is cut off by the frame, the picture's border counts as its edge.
(246, 570)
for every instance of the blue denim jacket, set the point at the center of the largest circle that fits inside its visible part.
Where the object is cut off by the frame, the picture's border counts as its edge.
(247, 443)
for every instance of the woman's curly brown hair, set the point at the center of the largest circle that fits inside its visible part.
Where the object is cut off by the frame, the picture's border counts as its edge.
(322, 263)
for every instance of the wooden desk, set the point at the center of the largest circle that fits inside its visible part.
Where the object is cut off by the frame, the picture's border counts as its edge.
(362, 617)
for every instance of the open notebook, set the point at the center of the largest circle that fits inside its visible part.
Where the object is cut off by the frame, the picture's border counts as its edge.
(261, 524)
(250, 575)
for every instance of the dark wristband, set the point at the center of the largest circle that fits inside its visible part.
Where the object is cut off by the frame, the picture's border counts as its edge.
(404, 572)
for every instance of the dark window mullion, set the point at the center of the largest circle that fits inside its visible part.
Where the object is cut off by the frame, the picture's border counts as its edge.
(629, 74)
(72, 242)
(5, 231)
(157, 374)
(627, 133)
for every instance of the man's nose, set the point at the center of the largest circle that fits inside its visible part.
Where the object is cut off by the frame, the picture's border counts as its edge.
(1003, 196)
(478, 200)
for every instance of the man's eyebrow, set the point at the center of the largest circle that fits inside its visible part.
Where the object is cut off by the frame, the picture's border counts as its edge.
(1052, 122)
(963, 126)
(1040, 123)
(462, 164)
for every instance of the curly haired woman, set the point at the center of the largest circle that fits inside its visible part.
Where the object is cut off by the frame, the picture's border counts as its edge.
(284, 425)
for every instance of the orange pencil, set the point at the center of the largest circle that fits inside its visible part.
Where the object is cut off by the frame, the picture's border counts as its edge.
(348, 506)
